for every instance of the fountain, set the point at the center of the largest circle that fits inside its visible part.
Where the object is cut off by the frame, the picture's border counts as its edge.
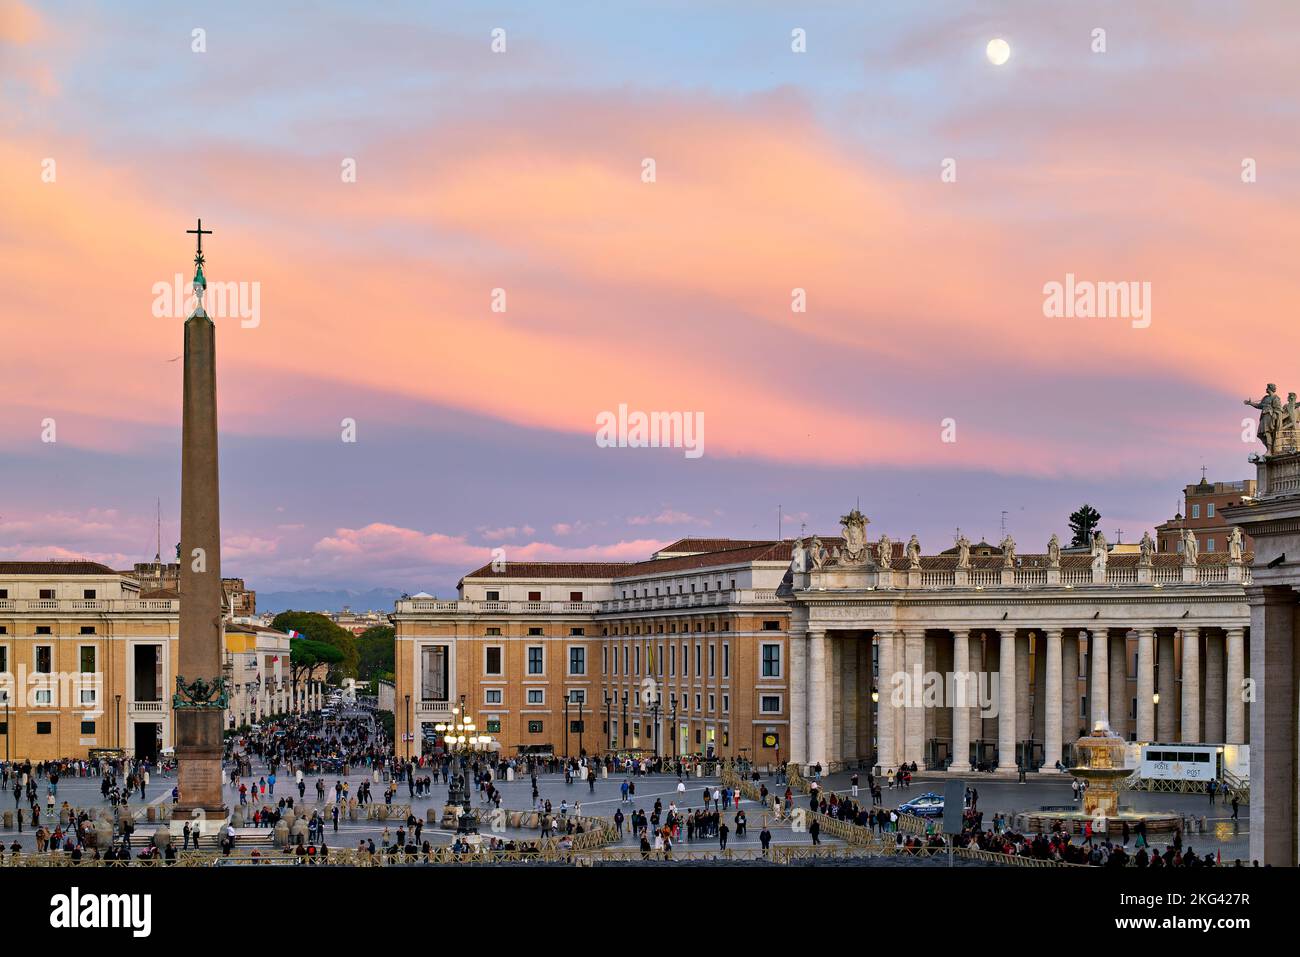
(1101, 769)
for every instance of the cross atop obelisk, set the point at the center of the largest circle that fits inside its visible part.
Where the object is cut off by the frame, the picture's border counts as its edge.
(200, 232)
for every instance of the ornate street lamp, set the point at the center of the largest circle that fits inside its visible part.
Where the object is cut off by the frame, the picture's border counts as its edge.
(461, 735)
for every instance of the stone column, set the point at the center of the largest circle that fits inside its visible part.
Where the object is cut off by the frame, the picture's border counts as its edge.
(886, 715)
(1099, 703)
(930, 665)
(1069, 689)
(1053, 685)
(1007, 703)
(1167, 688)
(964, 691)
(1022, 686)
(834, 703)
(1146, 685)
(1234, 715)
(1191, 727)
(1213, 728)
(914, 712)
(1273, 825)
(849, 695)
(818, 740)
(1118, 709)
(1039, 733)
(798, 700)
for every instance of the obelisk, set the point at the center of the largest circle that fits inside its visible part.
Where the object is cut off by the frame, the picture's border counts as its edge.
(199, 702)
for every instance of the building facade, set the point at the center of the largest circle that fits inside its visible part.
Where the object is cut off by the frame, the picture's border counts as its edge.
(1202, 512)
(87, 661)
(682, 654)
(1044, 645)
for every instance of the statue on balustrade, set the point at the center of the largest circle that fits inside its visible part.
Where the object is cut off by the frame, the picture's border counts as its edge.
(885, 552)
(1190, 547)
(963, 551)
(1147, 548)
(1270, 419)
(799, 557)
(1008, 552)
(1099, 552)
(817, 553)
(854, 551)
(1235, 546)
(914, 553)
(1054, 552)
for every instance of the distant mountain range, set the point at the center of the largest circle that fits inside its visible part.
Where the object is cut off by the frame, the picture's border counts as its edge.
(323, 599)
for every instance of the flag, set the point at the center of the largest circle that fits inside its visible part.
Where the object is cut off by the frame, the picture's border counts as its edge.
(295, 634)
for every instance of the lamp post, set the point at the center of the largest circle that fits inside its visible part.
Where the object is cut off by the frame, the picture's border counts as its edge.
(655, 710)
(461, 733)
(566, 726)
(117, 722)
(581, 728)
(672, 698)
(609, 728)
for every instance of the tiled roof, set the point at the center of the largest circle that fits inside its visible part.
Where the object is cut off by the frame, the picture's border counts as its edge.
(711, 544)
(55, 568)
(551, 570)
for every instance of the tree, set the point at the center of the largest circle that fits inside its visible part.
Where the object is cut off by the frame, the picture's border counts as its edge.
(376, 652)
(305, 655)
(1083, 523)
(318, 627)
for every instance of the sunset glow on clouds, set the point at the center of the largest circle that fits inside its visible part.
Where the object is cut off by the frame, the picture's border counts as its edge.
(522, 171)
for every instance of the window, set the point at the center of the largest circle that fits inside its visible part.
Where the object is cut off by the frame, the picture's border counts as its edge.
(494, 632)
(87, 629)
(770, 704)
(89, 673)
(726, 703)
(534, 727)
(1209, 510)
(1196, 511)
(697, 702)
(4, 658)
(575, 596)
(434, 673)
(492, 660)
(577, 632)
(87, 727)
(43, 630)
(698, 657)
(536, 665)
(726, 660)
(771, 626)
(42, 727)
(88, 594)
(604, 660)
(494, 726)
(534, 596)
(771, 661)
(47, 594)
(577, 696)
(534, 632)
(492, 696)
(577, 660)
(536, 696)
(493, 596)
(44, 659)
(1209, 544)
(4, 593)
(713, 656)
(638, 659)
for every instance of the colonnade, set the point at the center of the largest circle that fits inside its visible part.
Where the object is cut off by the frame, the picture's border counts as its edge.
(934, 695)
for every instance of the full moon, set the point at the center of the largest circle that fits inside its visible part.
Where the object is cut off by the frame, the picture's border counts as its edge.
(998, 51)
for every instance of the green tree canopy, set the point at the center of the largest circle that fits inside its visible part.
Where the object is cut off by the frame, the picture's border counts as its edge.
(1083, 522)
(376, 652)
(319, 628)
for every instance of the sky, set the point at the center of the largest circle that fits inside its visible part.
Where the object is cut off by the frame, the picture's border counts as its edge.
(917, 199)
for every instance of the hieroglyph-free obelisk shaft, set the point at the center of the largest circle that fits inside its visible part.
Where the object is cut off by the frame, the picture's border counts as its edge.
(199, 704)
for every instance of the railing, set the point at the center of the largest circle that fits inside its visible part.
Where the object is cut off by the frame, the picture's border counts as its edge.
(105, 605)
(468, 607)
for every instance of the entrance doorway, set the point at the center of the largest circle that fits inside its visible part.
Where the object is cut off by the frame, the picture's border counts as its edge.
(147, 735)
